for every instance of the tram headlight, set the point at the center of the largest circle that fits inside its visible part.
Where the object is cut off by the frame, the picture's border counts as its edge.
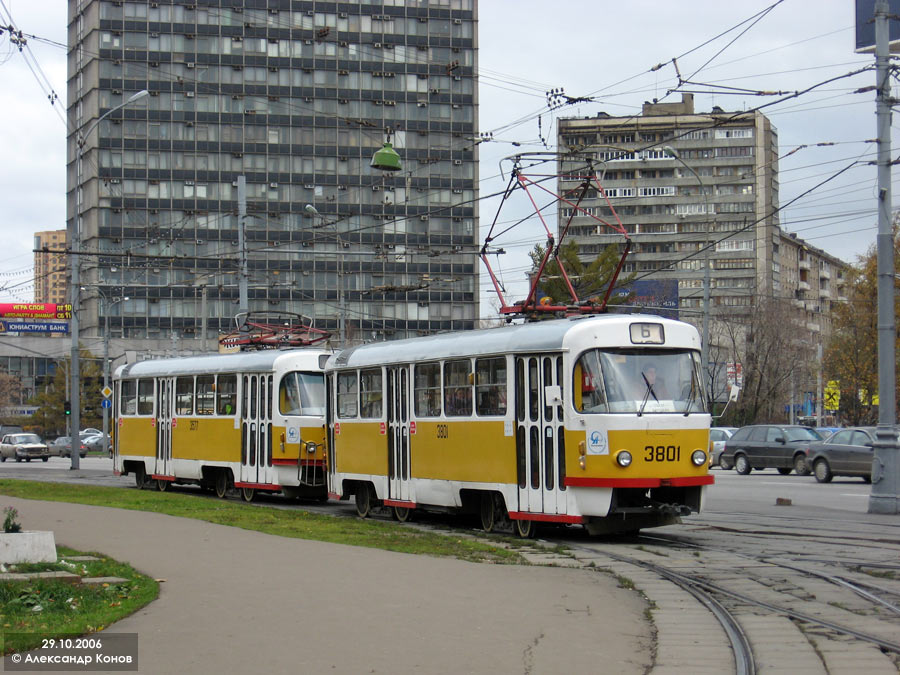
(623, 458)
(311, 447)
(698, 457)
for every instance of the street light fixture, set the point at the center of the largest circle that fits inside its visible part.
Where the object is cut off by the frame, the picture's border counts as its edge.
(704, 346)
(75, 266)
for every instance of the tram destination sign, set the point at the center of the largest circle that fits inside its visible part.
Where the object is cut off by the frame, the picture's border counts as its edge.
(34, 327)
(35, 310)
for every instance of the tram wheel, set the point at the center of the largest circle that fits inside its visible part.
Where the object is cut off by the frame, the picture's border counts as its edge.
(247, 494)
(402, 514)
(488, 512)
(363, 499)
(525, 529)
(140, 477)
(162, 485)
(222, 484)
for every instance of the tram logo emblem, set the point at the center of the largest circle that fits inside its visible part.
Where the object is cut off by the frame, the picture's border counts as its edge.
(597, 443)
(293, 434)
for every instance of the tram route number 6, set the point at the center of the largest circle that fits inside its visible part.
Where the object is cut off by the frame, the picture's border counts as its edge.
(662, 453)
(443, 431)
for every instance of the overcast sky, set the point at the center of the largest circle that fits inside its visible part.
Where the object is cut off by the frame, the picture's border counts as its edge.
(590, 48)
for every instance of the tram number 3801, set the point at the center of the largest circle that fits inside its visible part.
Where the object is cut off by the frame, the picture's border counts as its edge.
(662, 453)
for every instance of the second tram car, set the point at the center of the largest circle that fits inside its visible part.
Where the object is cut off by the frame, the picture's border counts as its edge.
(598, 421)
(251, 421)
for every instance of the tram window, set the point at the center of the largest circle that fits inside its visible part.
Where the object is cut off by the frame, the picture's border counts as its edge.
(347, 400)
(427, 391)
(548, 380)
(490, 386)
(370, 395)
(184, 395)
(559, 381)
(533, 393)
(458, 388)
(226, 388)
(254, 382)
(206, 394)
(589, 394)
(520, 390)
(302, 394)
(145, 397)
(128, 397)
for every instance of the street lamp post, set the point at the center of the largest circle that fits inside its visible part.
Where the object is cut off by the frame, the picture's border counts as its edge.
(105, 310)
(342, 312)
(704, 347)
(75, 278)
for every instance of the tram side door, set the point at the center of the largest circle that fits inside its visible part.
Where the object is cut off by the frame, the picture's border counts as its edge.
(256, 428)
(540, 455)
(398, 433)
(165, 407)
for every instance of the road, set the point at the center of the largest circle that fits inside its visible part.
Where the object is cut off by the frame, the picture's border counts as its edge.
(755, 493)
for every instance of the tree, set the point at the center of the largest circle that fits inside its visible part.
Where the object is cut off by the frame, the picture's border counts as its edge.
(590, 280)
(10, 390)
(851, 355)
(770, 343)
(50, 417)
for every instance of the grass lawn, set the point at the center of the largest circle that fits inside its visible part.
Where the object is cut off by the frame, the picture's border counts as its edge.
(285, 523)
(34, 609)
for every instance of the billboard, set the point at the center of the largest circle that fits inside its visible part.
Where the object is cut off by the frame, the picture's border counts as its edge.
(34, 327)
(865, 26)
(653, 296)
(35, 310)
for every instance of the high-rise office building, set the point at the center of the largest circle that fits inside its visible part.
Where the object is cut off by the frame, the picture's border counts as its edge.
(50, 268)
(295, 96)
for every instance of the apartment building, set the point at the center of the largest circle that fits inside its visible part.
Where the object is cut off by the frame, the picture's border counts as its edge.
(50, 267)
(295, 96)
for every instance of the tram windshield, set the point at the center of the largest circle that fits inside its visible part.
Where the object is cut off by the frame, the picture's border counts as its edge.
(302, 394)
(638, 381)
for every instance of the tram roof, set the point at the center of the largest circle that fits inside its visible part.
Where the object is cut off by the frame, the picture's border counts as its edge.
(521, 338)
(263, 360)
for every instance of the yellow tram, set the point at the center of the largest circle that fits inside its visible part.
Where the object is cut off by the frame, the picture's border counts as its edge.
(598, 421)
(252, 421)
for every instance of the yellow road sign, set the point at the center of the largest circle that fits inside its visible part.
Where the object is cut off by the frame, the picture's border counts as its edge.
(832, 395)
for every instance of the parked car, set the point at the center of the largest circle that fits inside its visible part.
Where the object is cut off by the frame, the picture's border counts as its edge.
(63, 444)
(23, 446)
(94, 442)
(763, 446)
(717, 438)
(847, 452)
(90, 431)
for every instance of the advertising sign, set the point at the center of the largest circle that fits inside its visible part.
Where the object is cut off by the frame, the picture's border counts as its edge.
(35, 310)
(34, 327)
(653, 296)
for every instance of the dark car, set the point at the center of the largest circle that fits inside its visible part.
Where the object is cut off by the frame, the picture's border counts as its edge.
(770, 446)
(63, 446)
(847, 452)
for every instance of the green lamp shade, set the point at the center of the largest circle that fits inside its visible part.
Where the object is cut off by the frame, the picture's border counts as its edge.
(386, 159)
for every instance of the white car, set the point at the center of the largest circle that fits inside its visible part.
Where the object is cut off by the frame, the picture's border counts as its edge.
(717, 438)
(23, 446)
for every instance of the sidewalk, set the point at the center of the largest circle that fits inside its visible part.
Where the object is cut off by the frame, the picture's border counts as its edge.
(235, 600)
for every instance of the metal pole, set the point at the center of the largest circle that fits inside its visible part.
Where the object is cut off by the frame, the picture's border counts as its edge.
(243, 302)
(885, 467)
(203, 310)
(75, 280)
(819, 392)
(105, 375)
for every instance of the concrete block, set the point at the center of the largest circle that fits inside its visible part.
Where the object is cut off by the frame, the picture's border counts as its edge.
(27, 547)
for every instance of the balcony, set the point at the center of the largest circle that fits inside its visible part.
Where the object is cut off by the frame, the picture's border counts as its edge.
(804, 265)
(824, 274)
(824, 293)
(803, 286)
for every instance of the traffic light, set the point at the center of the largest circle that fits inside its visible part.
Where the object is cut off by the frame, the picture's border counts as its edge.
(68, 408)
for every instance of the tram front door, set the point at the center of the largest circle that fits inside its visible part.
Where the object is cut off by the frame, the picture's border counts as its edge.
(540, 444)
(256, 430)
(398, 434)
(165, 408)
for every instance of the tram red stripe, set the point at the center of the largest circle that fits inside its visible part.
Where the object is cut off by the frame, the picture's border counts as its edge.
(401, 504)
(334, 495)
(258, 486)
(157, 476)
(293, 462)
(679, 481)
(545, 517)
